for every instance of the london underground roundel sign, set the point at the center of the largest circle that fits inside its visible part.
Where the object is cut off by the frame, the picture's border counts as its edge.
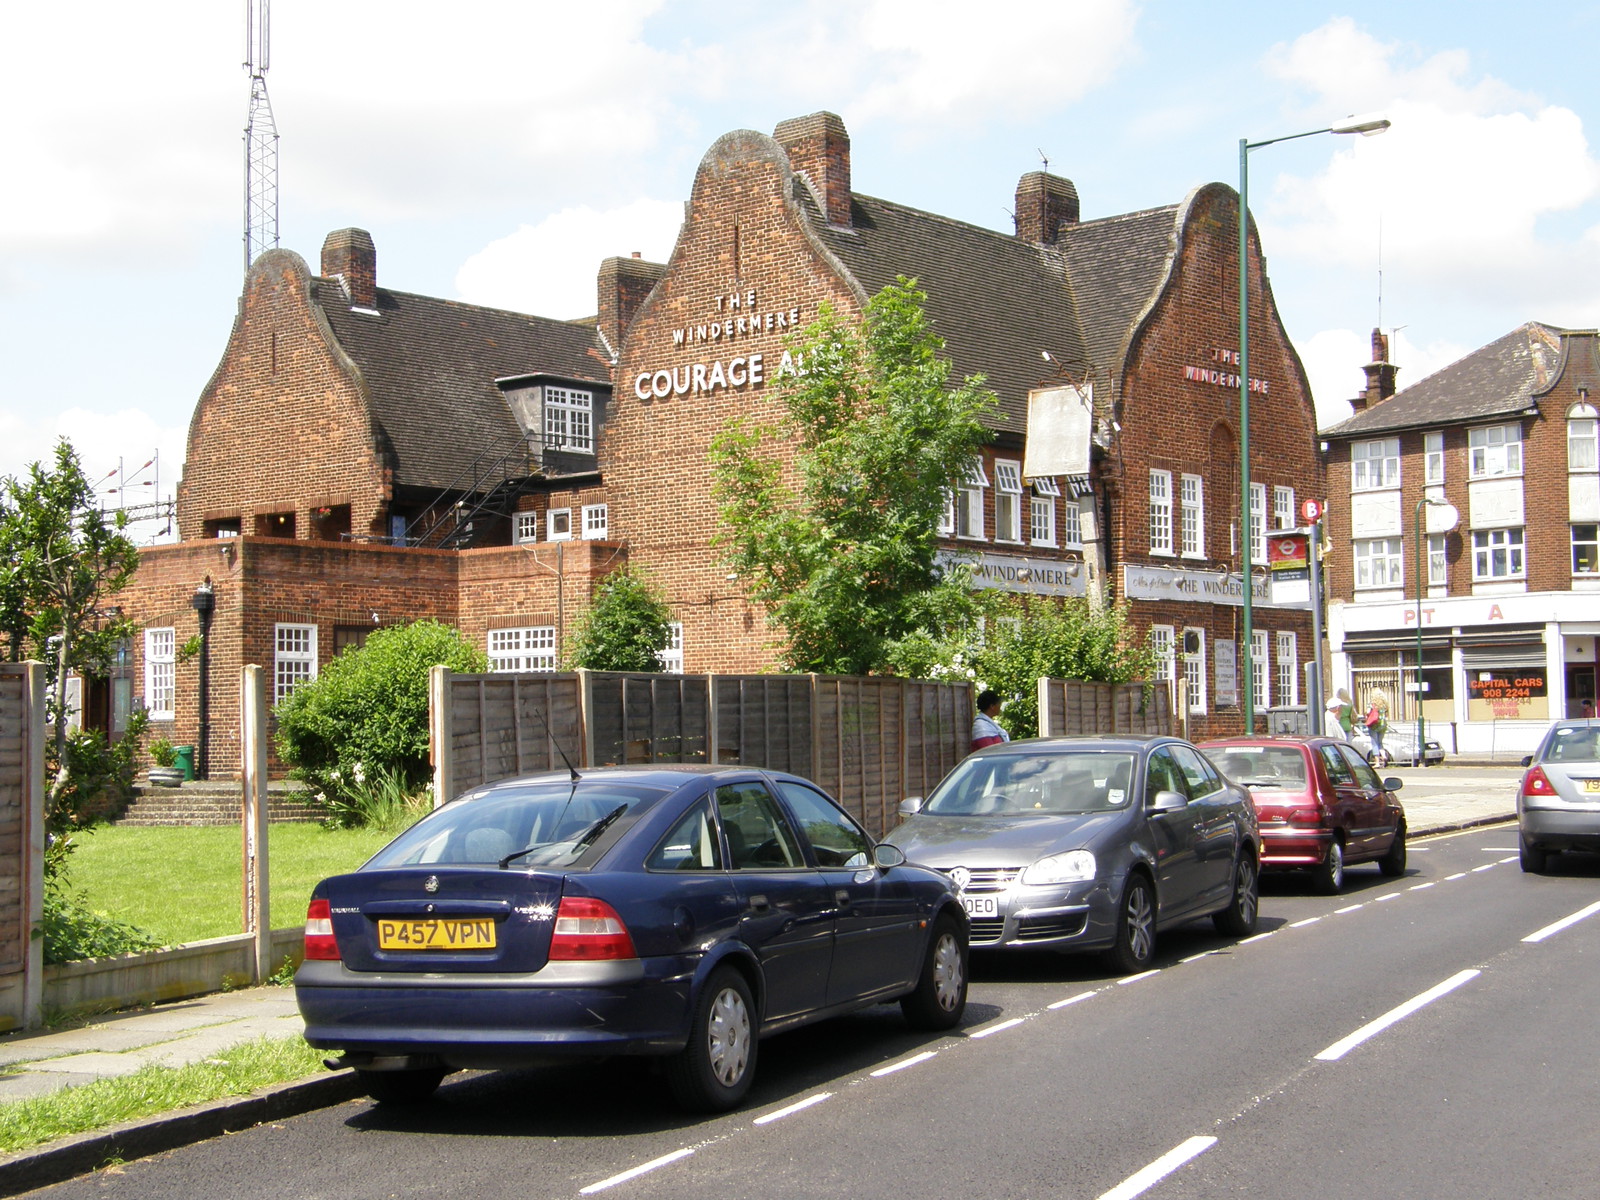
(1311, 510)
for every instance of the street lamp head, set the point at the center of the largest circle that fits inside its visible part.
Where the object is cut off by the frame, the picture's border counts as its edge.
(1367, 126)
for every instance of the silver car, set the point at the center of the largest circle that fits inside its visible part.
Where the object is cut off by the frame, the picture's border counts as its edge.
(1089, 843)
(1558, 803)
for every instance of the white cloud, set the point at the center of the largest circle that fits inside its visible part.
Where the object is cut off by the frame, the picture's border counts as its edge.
(549, 268)
(1334, 359)
(106, 442)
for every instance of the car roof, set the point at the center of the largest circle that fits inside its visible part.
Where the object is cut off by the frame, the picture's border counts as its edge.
(664, 775)
(1276, 740)
(1079, 741)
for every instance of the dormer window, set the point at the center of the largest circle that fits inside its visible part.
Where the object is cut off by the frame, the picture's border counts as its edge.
(568, 419)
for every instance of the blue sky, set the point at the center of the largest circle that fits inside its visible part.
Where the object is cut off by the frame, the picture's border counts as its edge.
(498, 149)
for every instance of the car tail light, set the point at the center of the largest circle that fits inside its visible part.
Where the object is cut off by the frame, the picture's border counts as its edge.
(588, 930)
(1305, 816)
(1537, 783)
(320, 943)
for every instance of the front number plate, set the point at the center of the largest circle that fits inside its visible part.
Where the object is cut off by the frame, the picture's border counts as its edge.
(981, 906)
(437, 933)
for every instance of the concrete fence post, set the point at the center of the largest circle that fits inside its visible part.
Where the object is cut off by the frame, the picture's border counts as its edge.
(441, 746)
(33, 794)
(253, 777)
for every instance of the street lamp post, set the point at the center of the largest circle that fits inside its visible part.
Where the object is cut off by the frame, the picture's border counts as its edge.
(1366, 126)
(1451, 517)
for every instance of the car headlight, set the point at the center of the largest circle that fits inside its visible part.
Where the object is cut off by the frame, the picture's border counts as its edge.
(1074, 866)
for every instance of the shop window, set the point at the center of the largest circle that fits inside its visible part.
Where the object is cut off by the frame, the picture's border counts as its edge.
(160, 673)
(672, 655)
(1007, 501)
(1160, 512)
(1438, 567)
(1283, 508)
(1497, 554)
(1194, 666)
(1380, 562)
(1494, 451)
(530, 648)
(1586, 550)
(1375, 465)
(568, 420)
(969, 502)
(1192, 516)
(1583, 454)
(1258, 522)
(558, 525)
(294, 658)
(1433, 459)
(1260, 667)
(595, 521)
(1072, 525)
(1288, 668)
(525, 528)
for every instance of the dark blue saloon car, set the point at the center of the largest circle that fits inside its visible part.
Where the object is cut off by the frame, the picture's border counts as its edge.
(683, 912)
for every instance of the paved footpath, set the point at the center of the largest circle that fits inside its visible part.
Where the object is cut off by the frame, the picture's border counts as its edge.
(1436, 799)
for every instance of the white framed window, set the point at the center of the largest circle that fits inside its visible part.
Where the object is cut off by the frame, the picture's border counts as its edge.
(525, 527)
(1288, 668)
(1163, 646)
(1160, 512)
(1433, 459)
(1497, 554)
(558, 525)
(1007, 501)
(529, 648)
(1375, 465)
(1583, 453)
(1380, 562)
(1192, 516)
(1260, 669)
(1042, 520)
(672, 657)
(1586, 549)
(568, 419)
(947, 516)
(969, 502)
(1283, 507)
(161, 673)
(1438, 568)
(1072, 525)
(1258, 522)
(1045, 485)
(1194, 665)
(595, 521)
(294, 658)
(1494, 450)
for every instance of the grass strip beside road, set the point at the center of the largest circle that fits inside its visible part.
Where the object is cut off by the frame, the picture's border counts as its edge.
(151, 1090)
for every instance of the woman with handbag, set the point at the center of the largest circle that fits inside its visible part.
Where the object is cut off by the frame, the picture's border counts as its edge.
(1377, 722)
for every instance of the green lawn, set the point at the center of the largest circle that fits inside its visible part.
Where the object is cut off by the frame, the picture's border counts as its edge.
(184, 883)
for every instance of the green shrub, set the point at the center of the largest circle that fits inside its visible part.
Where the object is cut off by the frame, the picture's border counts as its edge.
(72, 931)
(364, 719)
(162, 752)
(626, 628)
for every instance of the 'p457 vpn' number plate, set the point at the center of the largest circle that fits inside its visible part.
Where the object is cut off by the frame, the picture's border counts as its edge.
(437, 933)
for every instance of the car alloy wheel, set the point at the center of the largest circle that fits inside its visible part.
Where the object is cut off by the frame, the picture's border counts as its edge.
(1136, 928)
(1239, 918)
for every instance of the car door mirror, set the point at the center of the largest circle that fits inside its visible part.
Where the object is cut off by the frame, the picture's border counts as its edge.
(1527, 760)
(1393, 783)
(885, 856)
(1169, 801)
(911, 807)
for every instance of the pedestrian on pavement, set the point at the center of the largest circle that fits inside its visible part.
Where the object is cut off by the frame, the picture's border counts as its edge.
(1342, 714)
(986, 729)
(1377, 723)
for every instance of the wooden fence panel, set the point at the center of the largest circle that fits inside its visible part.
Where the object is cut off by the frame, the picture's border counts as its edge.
(648, 718)
(764, 721)
(1071, 706)
(504, 725)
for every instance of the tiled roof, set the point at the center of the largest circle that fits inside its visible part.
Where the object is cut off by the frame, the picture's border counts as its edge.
(1504, 377)
(430, 366)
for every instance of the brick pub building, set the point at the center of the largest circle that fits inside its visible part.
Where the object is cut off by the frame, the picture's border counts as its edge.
(364, 455)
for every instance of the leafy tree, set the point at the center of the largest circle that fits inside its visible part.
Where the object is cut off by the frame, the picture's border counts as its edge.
(626, 628)
(839, 546)
(360, 728)
(61, 559)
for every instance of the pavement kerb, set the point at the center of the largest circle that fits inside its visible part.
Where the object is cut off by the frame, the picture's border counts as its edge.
(84, 1153)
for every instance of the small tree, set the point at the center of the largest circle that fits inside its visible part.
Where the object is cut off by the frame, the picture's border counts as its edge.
(626, 628)
(361, 727)
(839, 548)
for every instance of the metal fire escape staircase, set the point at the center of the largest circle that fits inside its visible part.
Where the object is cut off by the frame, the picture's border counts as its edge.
(488, 487)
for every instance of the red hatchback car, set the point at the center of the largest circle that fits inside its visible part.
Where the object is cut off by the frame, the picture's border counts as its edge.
(1320, 805)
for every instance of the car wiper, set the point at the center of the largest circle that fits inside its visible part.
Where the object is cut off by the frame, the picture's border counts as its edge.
(584, 839)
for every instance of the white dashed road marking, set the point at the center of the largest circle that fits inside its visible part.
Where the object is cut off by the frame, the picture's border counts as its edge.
(791, 1109)
(1372, 1028)
(1558, 926)
(1143, 1181)
(644, 1168)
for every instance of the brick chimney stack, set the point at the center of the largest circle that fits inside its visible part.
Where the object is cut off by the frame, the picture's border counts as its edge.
(622, 285)
(349, 256)
(1380, 375)
(819, 149)
(1044, 204)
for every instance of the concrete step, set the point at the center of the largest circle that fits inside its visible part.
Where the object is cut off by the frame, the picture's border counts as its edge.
(211, 802)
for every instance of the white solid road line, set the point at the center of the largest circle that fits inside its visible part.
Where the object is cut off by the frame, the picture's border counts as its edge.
(1372, 1028)
(1540, 935)
(797, 1106)
(1169, 1162)
(636, 1172)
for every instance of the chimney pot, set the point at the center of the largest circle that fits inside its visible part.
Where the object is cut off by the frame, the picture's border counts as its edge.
(349, 256)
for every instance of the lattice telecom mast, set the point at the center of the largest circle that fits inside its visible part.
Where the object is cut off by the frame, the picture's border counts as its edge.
(260, 136)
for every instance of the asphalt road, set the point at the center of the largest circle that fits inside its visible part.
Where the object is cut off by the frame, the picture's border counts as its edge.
(1405, 1039)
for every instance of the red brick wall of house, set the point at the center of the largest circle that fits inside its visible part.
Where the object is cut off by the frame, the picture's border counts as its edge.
(283, 425)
